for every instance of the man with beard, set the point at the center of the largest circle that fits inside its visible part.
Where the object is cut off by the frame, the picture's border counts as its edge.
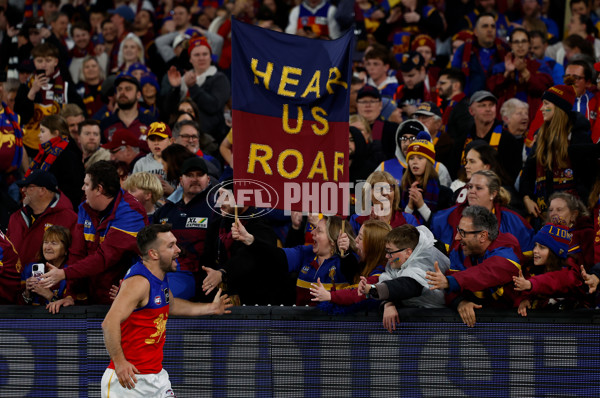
(134, 328)
(89, 139)
(483, 262)
(190, 217)
(127, 116)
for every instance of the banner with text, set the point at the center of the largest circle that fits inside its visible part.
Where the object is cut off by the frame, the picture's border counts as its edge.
(290, 98)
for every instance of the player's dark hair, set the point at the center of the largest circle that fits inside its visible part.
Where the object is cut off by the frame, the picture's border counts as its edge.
(148, 235)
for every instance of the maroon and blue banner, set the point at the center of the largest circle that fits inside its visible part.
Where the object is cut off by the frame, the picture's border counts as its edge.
(290, 118)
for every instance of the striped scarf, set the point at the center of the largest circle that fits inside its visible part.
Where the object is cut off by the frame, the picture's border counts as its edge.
(48, 153)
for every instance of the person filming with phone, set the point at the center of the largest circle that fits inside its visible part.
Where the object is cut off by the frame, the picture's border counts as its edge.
(54, 250)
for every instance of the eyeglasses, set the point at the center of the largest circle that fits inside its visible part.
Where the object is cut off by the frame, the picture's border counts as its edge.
(113, 151)
(405, 138)
(389, 253)
(573, 77)
(189, 137)
(367, 102)
(464, 233)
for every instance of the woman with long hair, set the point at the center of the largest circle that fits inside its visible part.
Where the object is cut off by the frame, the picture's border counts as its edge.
(384, 194)
(372, 258)
(562, 159)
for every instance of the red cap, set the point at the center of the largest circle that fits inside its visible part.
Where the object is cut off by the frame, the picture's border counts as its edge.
(122, 137)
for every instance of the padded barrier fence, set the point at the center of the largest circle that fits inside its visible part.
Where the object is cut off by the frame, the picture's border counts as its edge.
(299, 352)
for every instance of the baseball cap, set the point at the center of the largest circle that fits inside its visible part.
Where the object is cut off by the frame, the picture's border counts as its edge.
(482, 95)
(368, 91)
(126, 77)
(194, 164)
(41, 178)
(122, 137)
(411, 60)
(160, 129)
(124, 11)
(428, 109)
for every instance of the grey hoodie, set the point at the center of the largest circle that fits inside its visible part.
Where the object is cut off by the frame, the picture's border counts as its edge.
(420, 261)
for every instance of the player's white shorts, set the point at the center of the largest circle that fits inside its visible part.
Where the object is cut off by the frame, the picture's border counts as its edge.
(155, 385)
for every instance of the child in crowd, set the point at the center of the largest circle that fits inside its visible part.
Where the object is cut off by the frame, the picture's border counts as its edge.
(411, 254)
(422, 192)
(159, 137)
(147, 189)
(552, 275)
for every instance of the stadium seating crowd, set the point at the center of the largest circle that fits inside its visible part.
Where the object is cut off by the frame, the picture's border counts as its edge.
(476, 121)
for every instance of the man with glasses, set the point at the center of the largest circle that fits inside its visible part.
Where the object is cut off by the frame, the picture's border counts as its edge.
(407, 132)
(369, 105)
(482, 264)
(190, 217)
(43, 206)
(411, 252)
(187, 133)
(578, 73)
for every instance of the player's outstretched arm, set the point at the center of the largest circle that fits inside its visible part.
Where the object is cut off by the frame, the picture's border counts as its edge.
(134, 291)
(219, 306)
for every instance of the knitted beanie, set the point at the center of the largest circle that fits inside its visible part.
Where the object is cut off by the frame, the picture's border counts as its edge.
(557, 238)
(562, 96)
(422, 146)
(196, 41)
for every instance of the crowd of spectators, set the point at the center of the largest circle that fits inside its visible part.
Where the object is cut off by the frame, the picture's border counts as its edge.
(473, 121)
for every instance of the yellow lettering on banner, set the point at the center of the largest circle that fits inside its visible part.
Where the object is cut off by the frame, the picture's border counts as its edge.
(266, 75)
(337, 75)
(318, 166)
(314, 86)
(286, 120)
(263, 159)
(318, 114)
(299, 163)
(337, 166)
(285, 79)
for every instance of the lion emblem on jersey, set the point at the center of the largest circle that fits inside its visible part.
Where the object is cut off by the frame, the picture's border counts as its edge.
(161, 325)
